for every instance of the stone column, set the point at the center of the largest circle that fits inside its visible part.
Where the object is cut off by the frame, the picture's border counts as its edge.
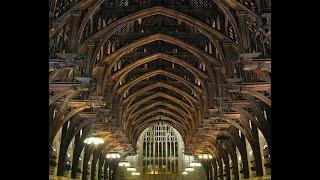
(215, 170)
(244, 157)
(86, 159)
(75, 157)
(62, 151)
(257, 153)
(94, 163)
(227, 165)
(105, 169)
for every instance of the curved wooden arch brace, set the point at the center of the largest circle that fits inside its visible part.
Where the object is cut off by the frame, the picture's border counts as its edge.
(133, 114)
(261, 119)
(115, 56)
(220, 167)
(138, 130)
(61, 110)
(181, 128)
(159, 103)
(245, 130)
(189, 98)
(59, 23)
(236, 5)
(231, 19)
(59, 95)
(163, 118)
(104, 34)
(253, 120)
(124, 71)
(224, 155)
(181, 131)
(71, 134)
(259, 96)
(249, 136)
(168, 74)
(214, 151)
(159, 72)
(214, 165)
(216, 147)
(88, 150)
(77, 150)
(132, 83)
(217, 156)
(94, 8)
(74, 125)
(136, 105)
(95, 157)
(188, 124)
(60, 123)
(231, 150)
(236, 139)
(165, 111)
(198, 53)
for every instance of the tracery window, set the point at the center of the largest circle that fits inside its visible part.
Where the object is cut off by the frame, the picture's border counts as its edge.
(160, 150)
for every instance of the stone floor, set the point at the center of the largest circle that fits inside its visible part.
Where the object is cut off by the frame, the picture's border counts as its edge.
(255, 178)
(259, 178)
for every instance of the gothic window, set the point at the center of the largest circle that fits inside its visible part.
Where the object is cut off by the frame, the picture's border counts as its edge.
(160, 149)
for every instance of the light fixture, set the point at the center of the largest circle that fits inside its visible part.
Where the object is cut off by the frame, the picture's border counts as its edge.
(131, 169)
(251, 153)
(189, 169)
(185, 173)
(135, 174)
(113, 155)
(94, 139)
(205, 156)
(124, 164)
(195, 164)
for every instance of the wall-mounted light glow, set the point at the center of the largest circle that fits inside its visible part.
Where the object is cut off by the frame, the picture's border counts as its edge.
(124, 164)
(205, 156)
(195, 164)
(94, 140)
(135, 174)
(251, 153)
(189, 169)
(113, 155)
(131, 169)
